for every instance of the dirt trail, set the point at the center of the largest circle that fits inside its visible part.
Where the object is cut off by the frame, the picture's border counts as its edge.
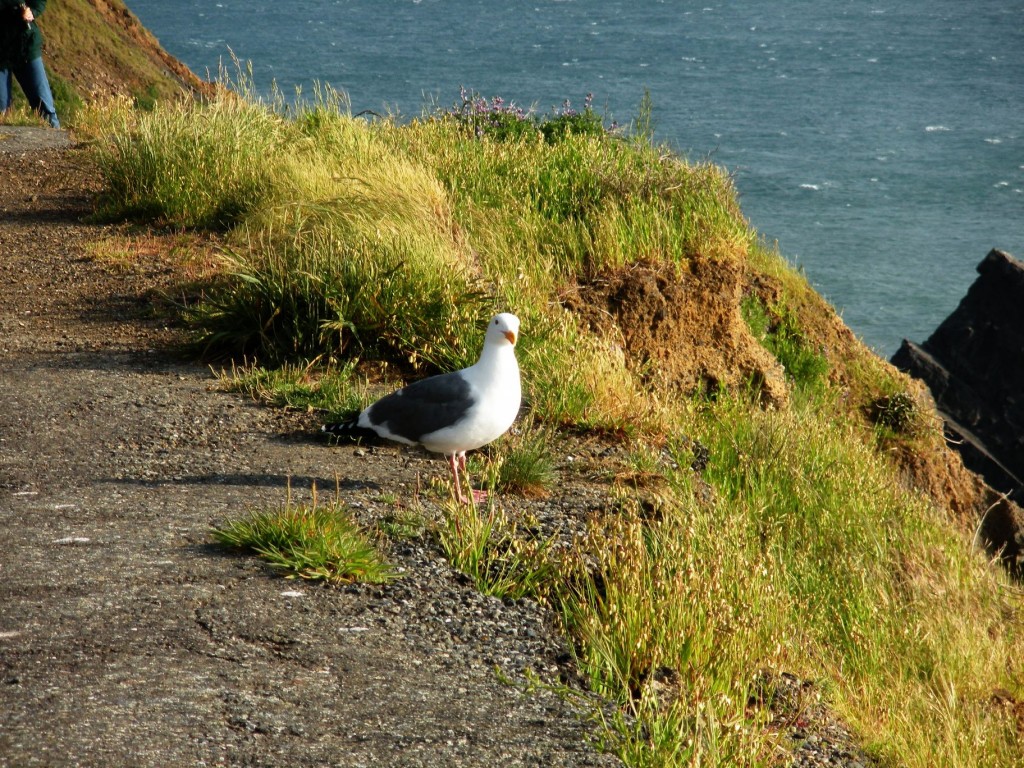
(126, 638)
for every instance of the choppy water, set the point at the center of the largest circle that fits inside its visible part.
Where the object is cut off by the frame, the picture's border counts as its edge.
(880, 142)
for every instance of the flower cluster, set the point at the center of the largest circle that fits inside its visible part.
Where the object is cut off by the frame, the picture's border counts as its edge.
(474, 104)
(567, 121)
(568, 111)
(501, 120)
(494, 118)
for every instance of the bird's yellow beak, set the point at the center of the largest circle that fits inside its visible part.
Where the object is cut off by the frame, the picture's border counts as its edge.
(511, 337)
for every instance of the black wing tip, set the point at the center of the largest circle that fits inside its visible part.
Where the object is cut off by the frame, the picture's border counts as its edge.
(348, 431)
(337, 427)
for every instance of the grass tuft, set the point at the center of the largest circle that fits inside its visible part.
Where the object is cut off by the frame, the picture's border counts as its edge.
(296, 386)
(526, 466)
(314, 542)
(403, 525)
(898, 412)
(489, 548)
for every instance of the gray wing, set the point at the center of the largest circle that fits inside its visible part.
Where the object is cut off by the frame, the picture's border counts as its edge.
(423, 407)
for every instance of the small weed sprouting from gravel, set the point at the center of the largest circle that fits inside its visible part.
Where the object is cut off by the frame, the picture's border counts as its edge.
(114, 255)
(315, 542)
(402, 525)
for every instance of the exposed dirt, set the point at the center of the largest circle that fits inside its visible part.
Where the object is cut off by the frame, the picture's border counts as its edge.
(684, 330)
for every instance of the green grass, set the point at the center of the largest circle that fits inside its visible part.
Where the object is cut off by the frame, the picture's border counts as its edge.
(484, 544)
(313, 542)
(297, 386)
(656, 600)
(526, 466)
(349, 237)
(792, 547)
(66, 100)
(208, 173)
(808, 557)
(778, 330)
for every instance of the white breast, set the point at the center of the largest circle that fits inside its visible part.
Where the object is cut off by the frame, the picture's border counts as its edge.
(497, 393)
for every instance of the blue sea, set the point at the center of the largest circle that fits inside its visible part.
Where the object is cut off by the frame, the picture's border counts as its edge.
(879, 142)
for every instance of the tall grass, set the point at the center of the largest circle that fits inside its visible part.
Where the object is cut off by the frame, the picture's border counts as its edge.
(864, 577)
(353, 237)
(807, 557)
(205, 171)
(485, 545)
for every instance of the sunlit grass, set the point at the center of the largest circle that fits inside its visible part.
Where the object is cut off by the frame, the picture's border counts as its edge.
(808, 558)
(487, 546)
(317, 542)
(21, 114)
(526, 466)
(296, 386)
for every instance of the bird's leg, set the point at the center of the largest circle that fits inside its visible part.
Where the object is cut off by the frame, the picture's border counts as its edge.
(478, 496)
(453, 465)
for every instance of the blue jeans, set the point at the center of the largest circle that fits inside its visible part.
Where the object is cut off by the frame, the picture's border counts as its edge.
(32, 79)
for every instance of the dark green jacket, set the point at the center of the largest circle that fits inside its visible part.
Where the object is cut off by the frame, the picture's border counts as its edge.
(20, 43)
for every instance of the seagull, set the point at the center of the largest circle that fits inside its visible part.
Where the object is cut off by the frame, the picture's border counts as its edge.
(451, 413)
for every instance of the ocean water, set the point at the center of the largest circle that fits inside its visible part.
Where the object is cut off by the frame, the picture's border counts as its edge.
(879, 142)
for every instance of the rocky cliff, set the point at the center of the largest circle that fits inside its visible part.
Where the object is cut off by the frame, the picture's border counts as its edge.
(974, 366)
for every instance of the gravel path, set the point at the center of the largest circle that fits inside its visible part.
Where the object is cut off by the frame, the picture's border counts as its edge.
(126, 638)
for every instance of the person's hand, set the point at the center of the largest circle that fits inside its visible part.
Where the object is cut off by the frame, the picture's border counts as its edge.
(26, 14)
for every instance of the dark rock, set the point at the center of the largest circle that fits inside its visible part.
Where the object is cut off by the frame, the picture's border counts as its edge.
(974, 366)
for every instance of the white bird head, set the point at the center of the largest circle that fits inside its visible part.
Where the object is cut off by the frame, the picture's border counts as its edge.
(503, 328)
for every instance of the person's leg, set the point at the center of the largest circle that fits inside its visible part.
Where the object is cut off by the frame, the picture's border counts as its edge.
(5, 90)
(32, 77)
